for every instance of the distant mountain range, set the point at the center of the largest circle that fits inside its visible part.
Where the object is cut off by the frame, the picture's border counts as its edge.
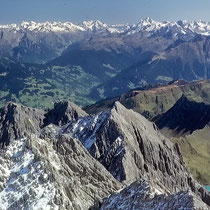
(41, 42)
(100, 61)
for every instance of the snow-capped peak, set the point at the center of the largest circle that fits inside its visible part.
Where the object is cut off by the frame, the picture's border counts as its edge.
(94, 25)
(148, 26)
(50, 26)
(148, 20)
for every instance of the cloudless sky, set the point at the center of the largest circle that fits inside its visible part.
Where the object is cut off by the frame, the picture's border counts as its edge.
(108, 11)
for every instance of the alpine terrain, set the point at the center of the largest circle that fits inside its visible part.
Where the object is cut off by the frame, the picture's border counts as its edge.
(59, 59)
(141, 140)
(66, 159)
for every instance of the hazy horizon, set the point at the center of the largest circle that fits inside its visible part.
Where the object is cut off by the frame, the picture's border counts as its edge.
(110, 12)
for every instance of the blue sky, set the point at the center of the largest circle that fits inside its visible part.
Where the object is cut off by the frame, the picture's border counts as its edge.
(109, 11)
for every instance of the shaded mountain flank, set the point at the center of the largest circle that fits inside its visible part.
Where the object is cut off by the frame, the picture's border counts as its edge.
(92, 157)
(187, 61)
(183, 118)
(187, 123)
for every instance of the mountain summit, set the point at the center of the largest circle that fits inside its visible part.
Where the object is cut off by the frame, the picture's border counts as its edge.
(49, 39)
(131, 147)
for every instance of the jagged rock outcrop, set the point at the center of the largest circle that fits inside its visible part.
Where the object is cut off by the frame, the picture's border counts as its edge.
(17, 121)
(57, 174)
(183, 118)
(63, 113)
(131, 147)
(141, 195)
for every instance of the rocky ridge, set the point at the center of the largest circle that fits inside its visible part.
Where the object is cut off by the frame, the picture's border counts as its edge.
(18, 121)
(133, 197)
(63, 113)
(131, 147)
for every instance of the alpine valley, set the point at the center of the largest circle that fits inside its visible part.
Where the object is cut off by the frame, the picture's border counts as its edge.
(141, 138)
(44, 62)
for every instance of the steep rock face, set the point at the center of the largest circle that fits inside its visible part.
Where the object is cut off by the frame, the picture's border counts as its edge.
(82, 180)
(29, 50)
(17, 121)
(131, 147)
(63, 113)
(54, 174)
(50, 168)
(183, 118)
(133, 197)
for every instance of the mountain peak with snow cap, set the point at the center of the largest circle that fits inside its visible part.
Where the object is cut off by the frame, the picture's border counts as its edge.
(145, 25)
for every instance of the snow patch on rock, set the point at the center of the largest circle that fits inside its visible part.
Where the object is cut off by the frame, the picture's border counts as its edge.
(85, 128)
(24, 181)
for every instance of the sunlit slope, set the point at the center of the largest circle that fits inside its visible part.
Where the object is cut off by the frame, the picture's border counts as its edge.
(196, 152)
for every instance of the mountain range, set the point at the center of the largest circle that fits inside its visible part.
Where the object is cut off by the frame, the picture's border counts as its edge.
(50, 39)
(142, 145)
(111, 59)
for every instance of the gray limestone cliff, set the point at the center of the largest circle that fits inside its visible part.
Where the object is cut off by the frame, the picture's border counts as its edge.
(17, 121)
(130, 147)
(54, 174)
(63, 113)
(142, 195)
